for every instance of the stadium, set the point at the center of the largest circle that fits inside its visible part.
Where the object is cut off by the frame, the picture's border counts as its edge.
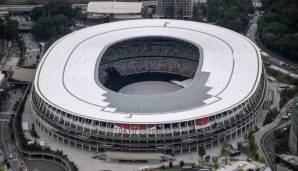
(166, 86)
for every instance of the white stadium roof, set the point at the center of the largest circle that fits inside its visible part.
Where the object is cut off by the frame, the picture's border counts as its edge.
(114, 7)
(66, 75)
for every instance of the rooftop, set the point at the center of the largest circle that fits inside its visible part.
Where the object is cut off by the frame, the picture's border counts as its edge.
(114, 7)
(229, 74)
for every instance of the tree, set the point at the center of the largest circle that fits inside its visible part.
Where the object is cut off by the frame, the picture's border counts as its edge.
(36, 13)
(108, 18)
(2, 29)
(181, 163)
(180, 13)
(224, 151)
(202, 152)
(56, 7)
(53, 20)
(9, 29)
(207, 158)
(170, 12)
(253, 148)
(215, 162)
(50, 27)
(232, 14)
(33, 127)
(170, 164)
(195, 13)
(277, 27)
(271, 115)
(239, 145)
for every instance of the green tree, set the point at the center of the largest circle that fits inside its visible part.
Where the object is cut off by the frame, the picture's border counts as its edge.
(11, 30)
(195, 13)
(170, 164)
(181, 163)
(271, 115)
(232, 14)
(36, 13)
(53, 20)
(170, 12)
(202, 152)
(50, 27)
(207, 158)
(215, 162)
(277, 27)
(224, 151)
(239, 145)
(251, 141)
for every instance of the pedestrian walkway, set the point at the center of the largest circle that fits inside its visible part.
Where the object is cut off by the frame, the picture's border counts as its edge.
(85, 160)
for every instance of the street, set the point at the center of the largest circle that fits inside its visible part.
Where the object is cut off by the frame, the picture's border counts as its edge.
(8, 147)
(267, 146)
(6, 143)
(252, 30)
(8, 106)
(265, 136)
(32, 50)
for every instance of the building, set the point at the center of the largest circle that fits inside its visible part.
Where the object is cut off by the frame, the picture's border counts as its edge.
(174, 9)
(117, 10)
(293, 137)
(81, 97)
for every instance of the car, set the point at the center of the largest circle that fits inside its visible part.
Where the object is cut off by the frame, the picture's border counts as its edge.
(285, 117)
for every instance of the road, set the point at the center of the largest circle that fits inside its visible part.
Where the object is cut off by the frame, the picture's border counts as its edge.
(264, 137)
(267, 146)
(6, 144)
(8, 147)
(32, 49)
(8, 106)
(252, 30)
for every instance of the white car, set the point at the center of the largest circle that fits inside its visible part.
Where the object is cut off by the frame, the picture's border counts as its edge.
(285, 117)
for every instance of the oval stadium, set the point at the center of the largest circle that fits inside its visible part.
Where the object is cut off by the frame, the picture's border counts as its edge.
(166, 86)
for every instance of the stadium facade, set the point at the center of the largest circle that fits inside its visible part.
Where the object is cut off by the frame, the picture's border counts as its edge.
(222, 79)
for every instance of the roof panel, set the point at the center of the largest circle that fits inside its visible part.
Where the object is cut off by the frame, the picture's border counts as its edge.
(230, 73)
